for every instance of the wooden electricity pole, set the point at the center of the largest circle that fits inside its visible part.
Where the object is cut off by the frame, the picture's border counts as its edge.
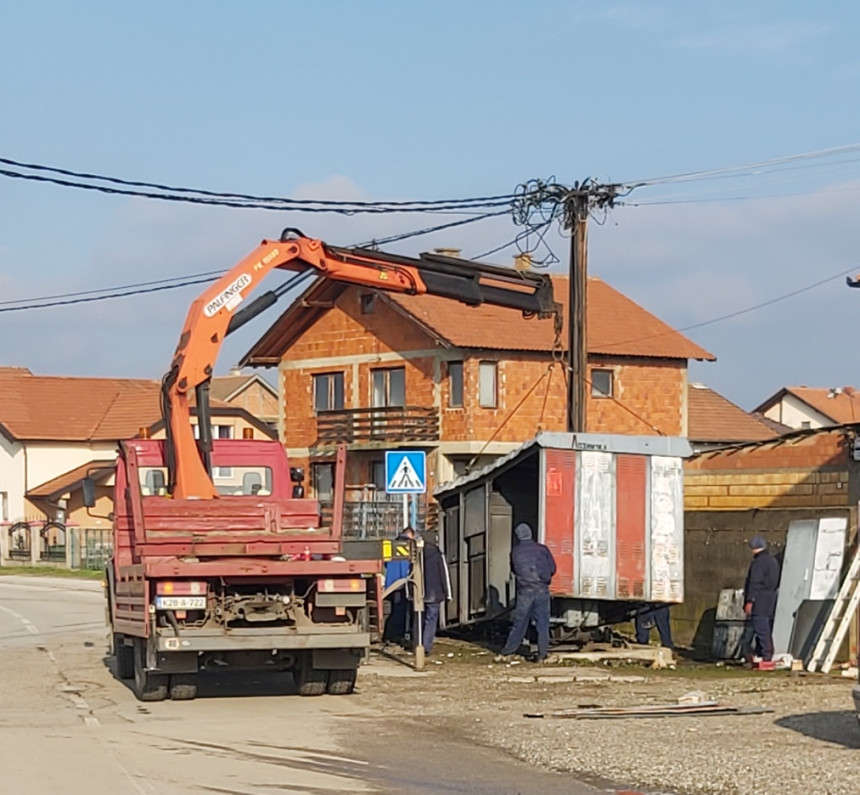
(577, 336)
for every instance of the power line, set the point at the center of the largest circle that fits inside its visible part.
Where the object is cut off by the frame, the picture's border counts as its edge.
(90, 299)
(735, 170)
(240, 200)
(124, 291)
(111, 289)
(739, 312)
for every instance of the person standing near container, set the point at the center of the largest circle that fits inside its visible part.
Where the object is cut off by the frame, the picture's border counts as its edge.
(437, 590)
(398, 600)
(534, 568)
(760, 590)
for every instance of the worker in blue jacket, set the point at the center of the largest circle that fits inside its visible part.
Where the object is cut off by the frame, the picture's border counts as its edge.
(398, 600)
(534, 567)
(760, 591)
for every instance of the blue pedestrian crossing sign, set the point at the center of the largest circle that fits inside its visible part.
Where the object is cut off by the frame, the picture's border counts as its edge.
(405, 471)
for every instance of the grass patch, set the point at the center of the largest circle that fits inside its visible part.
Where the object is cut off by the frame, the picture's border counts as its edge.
(49, 571)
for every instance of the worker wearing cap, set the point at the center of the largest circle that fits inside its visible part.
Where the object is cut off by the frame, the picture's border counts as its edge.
(534, 567)
(760, 591)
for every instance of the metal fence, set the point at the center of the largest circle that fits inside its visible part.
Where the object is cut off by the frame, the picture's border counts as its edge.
(371, 519)
(95, 549)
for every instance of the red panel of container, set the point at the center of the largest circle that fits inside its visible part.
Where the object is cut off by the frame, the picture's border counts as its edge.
(631, 564)
(559, 501)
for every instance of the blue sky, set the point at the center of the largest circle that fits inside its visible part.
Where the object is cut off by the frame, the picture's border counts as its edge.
(384, 100)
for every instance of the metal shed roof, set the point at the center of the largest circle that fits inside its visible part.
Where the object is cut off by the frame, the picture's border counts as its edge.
(675, 446)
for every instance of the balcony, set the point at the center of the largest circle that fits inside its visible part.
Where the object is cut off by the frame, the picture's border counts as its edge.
(377, 427)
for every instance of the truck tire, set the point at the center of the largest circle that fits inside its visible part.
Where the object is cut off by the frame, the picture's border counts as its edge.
(124, 656)
(341, 681)
(147, 685)
(183, 687)
(309, 680)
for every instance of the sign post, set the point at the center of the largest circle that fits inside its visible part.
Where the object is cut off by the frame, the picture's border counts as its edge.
(406, 473)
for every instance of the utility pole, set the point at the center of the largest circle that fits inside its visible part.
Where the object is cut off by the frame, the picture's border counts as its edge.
(576, 218)
(538, 201)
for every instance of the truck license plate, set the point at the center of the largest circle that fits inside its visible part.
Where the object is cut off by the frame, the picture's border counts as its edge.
(180, 602)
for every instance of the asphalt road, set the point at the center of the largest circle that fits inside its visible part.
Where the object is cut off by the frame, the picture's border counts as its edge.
(68, 726)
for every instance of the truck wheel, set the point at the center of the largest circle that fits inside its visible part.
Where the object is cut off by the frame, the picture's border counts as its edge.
(147, 685)
(311, 681)
(183, 687)
(341, 681)
(124, 658)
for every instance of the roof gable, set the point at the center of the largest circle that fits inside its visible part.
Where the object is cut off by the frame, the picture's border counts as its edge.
(841, 406)
(226, 387)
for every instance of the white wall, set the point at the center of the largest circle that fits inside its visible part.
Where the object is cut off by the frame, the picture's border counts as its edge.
(48, 460)
(794, 412)
(12, 477)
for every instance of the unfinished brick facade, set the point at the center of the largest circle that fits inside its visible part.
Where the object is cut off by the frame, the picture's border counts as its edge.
(355, 336)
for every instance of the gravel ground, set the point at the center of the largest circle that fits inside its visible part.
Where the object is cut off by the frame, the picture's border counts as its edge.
(807, 745)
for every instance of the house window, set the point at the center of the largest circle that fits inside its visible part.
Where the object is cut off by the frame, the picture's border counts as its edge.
(601, 383)
(805, 424)
(328, 391)
(222, 432)
(487, 385)
(368, 303)
(455, 384)
(323, 480)
(379, 477)
(389, 387)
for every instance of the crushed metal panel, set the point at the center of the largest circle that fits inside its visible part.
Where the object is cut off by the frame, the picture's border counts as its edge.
(631, 561)
(559, 477)
(595, 523)
(667, 529)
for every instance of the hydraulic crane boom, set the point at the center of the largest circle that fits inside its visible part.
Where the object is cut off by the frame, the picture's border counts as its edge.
(213, 315)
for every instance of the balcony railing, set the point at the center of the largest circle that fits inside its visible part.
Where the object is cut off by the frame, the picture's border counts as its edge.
(377, 425)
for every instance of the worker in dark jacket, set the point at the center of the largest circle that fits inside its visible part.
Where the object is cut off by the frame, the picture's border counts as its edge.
(760, 591)
(396, 570)
(437, 589)
(534, 567)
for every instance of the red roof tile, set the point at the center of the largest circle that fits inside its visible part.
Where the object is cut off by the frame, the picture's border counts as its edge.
(617, 325)
(713, 418)
(60, 408)
(842, 408)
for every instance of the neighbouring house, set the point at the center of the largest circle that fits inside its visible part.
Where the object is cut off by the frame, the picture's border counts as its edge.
(812, 407)
(377, 371)
(754, 488)
(55, 430)
(714, 421)
(248, 391)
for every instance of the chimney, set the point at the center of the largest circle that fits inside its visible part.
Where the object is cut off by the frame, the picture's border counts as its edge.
(447, 252)
(523, 261)
(235, 370)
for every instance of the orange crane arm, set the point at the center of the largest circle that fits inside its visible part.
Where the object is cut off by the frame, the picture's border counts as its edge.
(213, 314)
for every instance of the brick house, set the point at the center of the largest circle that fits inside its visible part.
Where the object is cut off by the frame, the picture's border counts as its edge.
(378, 371)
